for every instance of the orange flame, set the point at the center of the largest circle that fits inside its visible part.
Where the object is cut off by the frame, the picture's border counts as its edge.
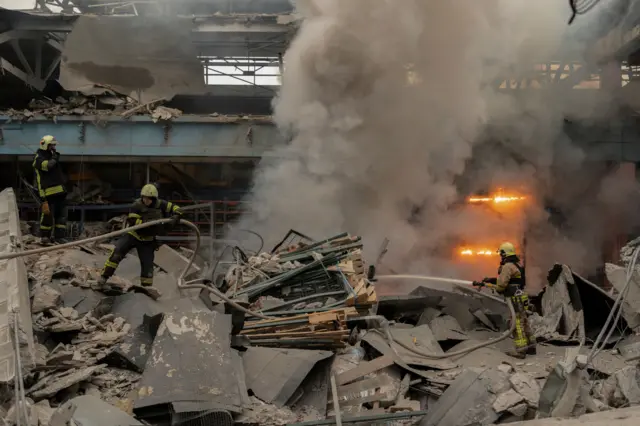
(495, 199)
(477, 252)
(498, 198)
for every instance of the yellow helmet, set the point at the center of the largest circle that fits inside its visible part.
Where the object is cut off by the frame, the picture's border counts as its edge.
(46, 141)
(149, 190)
(507, 249)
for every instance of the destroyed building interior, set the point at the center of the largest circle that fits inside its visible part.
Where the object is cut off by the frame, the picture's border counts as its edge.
(341, 188)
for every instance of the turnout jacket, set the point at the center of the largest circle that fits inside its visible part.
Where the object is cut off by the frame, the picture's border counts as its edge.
(49, 177)
(140, 213)
(510, 276)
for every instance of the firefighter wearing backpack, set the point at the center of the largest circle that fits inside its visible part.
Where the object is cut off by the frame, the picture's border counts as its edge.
(510, 283)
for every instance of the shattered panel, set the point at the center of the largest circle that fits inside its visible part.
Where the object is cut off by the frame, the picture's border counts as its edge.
(87, 410)
(146, 59)
(421, 338)
(274, 374)
(191, 367)
(466, 402)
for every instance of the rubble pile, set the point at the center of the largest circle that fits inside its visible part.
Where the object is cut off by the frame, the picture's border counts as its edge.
(106, 103)
(331, 348)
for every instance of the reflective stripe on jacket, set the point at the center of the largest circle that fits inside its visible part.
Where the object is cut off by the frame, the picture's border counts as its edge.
(49, 178)
(140, 213)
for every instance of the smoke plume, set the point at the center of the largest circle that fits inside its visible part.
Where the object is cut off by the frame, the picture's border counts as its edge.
(394, 115)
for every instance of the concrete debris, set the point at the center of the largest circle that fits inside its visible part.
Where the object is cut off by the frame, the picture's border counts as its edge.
(87, 410)
(120, 358)
(45, 298)
(106, 103)
(507, 400)
(527, 387)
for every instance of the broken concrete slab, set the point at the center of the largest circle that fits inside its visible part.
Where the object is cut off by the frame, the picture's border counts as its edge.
(62, 382)
(506, 400)
(173, 262)
(379, 343)
(427, 315)
(87, 410)
(313, 392)
(193, 349)
(628, 380)
(422, 340)
(405, 306)
(364, 368)
(45, 298)
(274, 374)
(43, 411)
(526, 386)
(446, 327)
(466, 402)
(133, 307)
(85, 300)
(133, 352)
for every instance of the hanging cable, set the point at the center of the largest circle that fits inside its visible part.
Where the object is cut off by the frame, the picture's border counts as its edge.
(580, 7)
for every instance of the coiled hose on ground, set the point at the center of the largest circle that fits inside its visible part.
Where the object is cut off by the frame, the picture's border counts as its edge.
(194, 284)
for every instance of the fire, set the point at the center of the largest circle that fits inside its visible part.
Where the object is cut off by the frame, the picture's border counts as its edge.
(498, 198)
(477, 252)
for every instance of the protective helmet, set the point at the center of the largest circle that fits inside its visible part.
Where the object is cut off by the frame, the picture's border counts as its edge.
(149, 190)
(507, 249)
(46, 141)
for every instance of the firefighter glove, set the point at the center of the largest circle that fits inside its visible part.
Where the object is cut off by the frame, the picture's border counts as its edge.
(175, 220)
(45, 208)
(478, 284)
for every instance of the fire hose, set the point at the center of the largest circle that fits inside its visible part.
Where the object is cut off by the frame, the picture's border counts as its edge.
(182, 285)
(193, 284)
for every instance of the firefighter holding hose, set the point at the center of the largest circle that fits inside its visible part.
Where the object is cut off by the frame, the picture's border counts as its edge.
(145, 209)
(510, 283)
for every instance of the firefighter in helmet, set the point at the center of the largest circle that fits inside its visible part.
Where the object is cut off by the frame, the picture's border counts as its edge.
(145, 209)
(510, 283)
(51, 187)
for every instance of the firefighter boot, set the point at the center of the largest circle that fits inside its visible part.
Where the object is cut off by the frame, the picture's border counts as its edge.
(517, 354)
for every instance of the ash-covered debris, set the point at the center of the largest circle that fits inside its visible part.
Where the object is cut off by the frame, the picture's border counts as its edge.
(108, 103)
(112, 104)
(407, 359)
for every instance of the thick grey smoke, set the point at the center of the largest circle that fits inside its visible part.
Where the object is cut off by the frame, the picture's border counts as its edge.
(394, 116)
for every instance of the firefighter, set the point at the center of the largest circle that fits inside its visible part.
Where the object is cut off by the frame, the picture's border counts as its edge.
(510, 283)
(51, 187)
(145, 209)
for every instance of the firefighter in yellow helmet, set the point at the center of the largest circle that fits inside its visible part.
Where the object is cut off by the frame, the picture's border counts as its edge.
(510, 283)
(145, 209)
(51, 187)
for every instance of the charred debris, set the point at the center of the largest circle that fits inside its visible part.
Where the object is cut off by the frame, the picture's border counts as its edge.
(332, 351)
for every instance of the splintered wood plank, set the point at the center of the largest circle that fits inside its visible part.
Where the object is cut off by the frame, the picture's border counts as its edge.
(322, 317)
